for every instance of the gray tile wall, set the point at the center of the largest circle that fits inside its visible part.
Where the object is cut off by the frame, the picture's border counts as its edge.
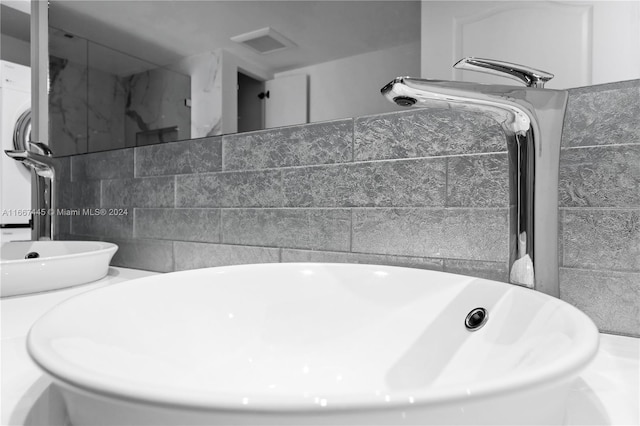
(328, 191)
(422, 188)
(599, 198)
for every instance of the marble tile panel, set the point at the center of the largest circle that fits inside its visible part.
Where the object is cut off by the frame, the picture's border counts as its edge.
(473, 234)
(478, 181)
(415, 182)
(230, 189)
(117, 164)
(321, 229)
(202, 255)
(602, 239)
(178, 224)
(426, 132)
(319, 143)
(68, 105)
(497, 271)
(606, 176)
(139, 192)
(609, 298)
(174, 158)
(106, 99)
(155, 111)
(205, 70)
(292, 255)
(150, 255)
(602, 115)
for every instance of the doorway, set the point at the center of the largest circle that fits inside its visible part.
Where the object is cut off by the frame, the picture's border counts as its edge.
(250, 103)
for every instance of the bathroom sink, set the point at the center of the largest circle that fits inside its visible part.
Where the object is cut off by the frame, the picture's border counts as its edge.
(313, 344)
(33, 266)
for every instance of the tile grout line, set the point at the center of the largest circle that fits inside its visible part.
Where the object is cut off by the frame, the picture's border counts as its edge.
(604, 146)
(351, 232)
(348, 163)
(220, 227)
(175, 191)
(585, 209)
(608, 271)
(353, 140)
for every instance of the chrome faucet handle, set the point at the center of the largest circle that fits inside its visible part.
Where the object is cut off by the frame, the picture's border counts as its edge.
(529, 76)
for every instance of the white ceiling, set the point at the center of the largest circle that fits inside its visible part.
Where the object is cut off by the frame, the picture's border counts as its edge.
(164, 31)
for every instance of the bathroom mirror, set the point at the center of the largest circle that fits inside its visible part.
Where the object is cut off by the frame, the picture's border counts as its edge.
(101, 99)
(317, 45)
(293, 62)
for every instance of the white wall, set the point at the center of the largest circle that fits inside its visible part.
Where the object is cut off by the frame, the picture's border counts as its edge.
(616, 41)
(351, 86)
(582, 43)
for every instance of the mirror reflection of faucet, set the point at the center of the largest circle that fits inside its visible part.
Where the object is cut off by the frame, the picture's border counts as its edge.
(532, 119)
(39, 158)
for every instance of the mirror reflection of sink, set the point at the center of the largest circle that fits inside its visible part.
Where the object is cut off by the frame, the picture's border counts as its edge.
(313, 344)
(34, 266)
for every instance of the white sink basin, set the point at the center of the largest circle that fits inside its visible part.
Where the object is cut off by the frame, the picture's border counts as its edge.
(54, 265)
(312, 344)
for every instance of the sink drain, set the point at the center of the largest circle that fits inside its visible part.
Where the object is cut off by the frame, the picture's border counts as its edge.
(476, 319)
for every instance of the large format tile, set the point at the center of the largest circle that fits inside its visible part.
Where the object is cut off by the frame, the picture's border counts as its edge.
(116, 164)
(416, 182)
(202, 255)
(139, 192)
(84, 194)
(609, 298)
(230, 189)
(473, 234)
(425, 133)
(323, 229)
(602, 239)
(606, 176)
(319, 143)
(291, 255)
(174, 158)
(150, 255)
(62, 167)
(601, 115)
(101, 224)
(497, 271)
(178, 224)
(478, 181)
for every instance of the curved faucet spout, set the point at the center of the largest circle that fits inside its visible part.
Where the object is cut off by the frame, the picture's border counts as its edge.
(506, 104)
(41, 164)
(532, 120)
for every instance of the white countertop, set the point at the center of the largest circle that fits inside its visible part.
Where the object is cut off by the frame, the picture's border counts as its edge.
(606, 393)
(24, 386)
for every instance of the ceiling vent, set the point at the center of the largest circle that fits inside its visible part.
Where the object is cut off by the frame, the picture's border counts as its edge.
(263, 41)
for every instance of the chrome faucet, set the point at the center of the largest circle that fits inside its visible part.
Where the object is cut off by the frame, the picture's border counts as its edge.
(532, 119)
(39, 158)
